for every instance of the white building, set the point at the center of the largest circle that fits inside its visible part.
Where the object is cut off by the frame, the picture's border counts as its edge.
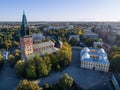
(94, 58)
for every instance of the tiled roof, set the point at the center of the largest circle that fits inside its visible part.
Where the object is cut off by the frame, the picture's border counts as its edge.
(43, 44)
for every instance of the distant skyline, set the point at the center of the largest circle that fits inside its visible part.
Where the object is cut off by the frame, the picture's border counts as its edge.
(60, 10)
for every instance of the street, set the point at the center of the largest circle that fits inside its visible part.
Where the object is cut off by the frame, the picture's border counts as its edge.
(8, 79)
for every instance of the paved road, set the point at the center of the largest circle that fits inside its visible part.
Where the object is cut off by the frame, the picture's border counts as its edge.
(8, 79)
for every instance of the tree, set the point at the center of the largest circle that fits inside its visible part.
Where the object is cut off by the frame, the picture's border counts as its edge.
(74, 41)
(46, 86)
(20, 68)
(58, 67)
(31, 71)
(6, 45)
(47, 61)
(17, 54)
(37, 60)
(11, 60)
(115, 63)
(89, 41)
(1, 61)
(27, 85)
(42, 70)
(114, 57)
(67, 49)
(65, 82)
(15, 44)
(62, 57)
(54, 61)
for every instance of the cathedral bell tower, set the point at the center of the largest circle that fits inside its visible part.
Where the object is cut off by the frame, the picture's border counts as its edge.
(26, 40)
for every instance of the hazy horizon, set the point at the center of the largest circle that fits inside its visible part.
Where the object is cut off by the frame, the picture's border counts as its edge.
(61, 10)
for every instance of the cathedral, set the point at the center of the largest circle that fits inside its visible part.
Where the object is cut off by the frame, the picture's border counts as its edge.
(30, 49)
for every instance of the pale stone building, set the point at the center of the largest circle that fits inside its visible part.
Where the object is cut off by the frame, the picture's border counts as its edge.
(94, 58)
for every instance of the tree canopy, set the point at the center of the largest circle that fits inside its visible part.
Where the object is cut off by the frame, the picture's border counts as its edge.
(114, 57)
(27, 85)
(74, 42)
(1, 61)
(65, 82)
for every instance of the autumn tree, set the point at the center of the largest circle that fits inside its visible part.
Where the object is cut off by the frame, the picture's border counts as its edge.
(74, 41)
(17, 55)
(31, 69)
(20, 68)
(42, 70)
(27, 85)
(65, 82)
(1, 61)
(47, 61)
(115, 63)
(114, 57)
(11, 60)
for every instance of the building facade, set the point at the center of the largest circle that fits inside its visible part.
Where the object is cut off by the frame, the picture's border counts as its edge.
(94, 58)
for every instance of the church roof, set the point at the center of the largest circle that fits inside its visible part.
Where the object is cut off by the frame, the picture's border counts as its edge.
(43, 44)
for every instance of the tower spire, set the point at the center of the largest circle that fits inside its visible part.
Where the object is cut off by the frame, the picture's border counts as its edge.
(23, 12)
(24, 25)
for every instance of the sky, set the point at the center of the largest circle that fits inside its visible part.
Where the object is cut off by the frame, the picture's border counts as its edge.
(60, 10)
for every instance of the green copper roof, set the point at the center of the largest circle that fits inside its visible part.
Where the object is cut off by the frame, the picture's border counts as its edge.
(24, 26)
